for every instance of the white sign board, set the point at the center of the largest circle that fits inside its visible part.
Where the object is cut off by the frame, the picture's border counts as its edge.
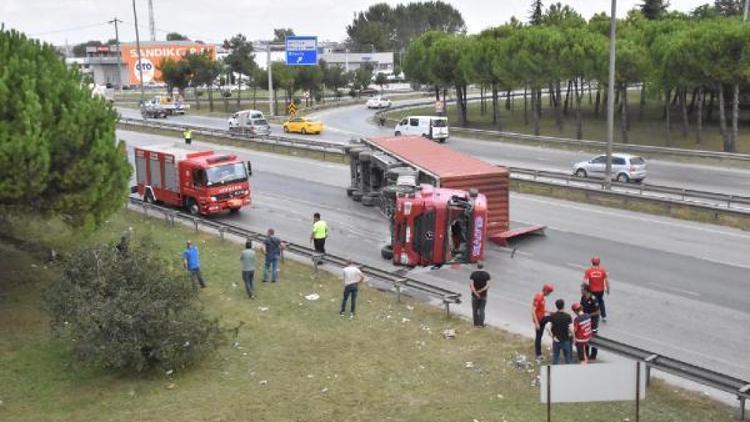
(593, 382)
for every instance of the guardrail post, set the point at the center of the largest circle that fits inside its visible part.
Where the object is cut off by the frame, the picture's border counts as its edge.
(648, 361)
(145, 209)
(221, 233)
(683, 194)
(729, 201)
(195, 223)
(742, 408)
(447, 308)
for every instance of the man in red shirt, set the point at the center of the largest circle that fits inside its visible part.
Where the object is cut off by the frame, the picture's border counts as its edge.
(596, 278)
(582, 332)
(540, 317)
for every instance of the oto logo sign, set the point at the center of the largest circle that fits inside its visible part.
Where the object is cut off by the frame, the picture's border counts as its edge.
(478, 238)
(148, 69)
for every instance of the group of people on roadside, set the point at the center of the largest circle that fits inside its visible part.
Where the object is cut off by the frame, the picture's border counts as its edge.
(273, 249)
(579, 328)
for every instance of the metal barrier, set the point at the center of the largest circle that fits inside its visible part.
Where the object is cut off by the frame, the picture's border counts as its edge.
(739, 388)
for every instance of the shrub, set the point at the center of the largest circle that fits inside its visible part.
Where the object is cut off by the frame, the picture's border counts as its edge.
(127, 309)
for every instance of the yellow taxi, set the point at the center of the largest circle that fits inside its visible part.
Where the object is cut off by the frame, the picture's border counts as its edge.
(302, 125)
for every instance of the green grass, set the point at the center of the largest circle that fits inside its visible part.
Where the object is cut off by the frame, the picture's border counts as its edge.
(391, 363)
(647, 131)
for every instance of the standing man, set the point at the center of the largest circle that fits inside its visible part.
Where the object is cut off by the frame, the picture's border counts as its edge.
(582, 332)
(248, 268)
(274, 249)
(191, 261)
(596, 278)
(540, 317)
(591, 307)
(562, 331)
(352, 277)
(479, 286)
(319, 234)
(188, 135)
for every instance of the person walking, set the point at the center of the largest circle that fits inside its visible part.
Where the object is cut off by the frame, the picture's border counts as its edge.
(192, 263)
(562, 331)
(591, 307)
(479, 286)
(188, 135)
(582, 332)
(596, 278)
(319, 234)
(353, 276)
(273, 247)
(248, 268)
(540, 317)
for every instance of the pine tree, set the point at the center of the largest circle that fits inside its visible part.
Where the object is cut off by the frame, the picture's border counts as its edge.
(654, 9)
(537, 12)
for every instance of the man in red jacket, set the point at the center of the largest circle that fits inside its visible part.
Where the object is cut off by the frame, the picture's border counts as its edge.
(540, 317)
(582, 332)
(596, 278)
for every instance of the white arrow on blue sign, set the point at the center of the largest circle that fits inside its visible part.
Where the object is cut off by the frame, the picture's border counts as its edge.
(301, 51)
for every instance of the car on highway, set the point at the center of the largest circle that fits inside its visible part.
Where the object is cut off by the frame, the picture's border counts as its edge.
(431, 127)
(303, 125)
(625, 168)
(378, 102)
(153, 110)
(367, 92)
(249, 122)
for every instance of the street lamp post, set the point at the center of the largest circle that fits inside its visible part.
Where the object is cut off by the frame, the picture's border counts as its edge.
(138, 48)
(611, 95)
(119, 53)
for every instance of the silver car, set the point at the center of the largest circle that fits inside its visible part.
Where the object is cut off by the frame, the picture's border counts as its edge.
(625, 168)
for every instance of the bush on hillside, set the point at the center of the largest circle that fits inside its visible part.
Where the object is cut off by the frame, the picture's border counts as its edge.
(125, 308)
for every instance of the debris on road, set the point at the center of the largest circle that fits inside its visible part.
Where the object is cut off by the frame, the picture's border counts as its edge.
(312, 296)
(449, 333)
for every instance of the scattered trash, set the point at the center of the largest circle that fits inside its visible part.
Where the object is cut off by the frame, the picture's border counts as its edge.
(187, 344)
(449, 333)
(469, 365)
(244, 353)
(324, 390)
(131, 393)
(33, 266)
(263, 308)
(312, 296)
(236, 344)
(263, 382)
(522, 362)
(171, 386)
(170, 372)
(234, 285)
(405, 320)
(500, 396)
(309, 375)
(409, 307)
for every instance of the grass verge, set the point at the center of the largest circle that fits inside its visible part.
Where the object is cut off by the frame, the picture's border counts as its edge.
(292, 360)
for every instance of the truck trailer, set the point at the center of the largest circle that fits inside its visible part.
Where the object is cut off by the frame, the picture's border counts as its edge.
(200, 181)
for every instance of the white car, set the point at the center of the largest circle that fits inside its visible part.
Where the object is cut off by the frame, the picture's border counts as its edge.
(378, 102)
(625, 168)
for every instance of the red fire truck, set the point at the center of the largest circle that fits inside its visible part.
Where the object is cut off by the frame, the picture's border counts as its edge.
(201, 181)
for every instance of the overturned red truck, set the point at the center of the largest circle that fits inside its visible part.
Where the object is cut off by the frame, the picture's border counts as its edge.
(201, 181)
(443, 205)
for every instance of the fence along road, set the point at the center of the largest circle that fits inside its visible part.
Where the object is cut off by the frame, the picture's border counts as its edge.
(402, 284)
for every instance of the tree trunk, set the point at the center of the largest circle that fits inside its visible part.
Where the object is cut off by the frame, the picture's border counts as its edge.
(239, 91)
(710, 113)
(691, 107)
(579, 118)
(481, 100)
(624, 115)
(437, 94)
(723, 120)
(508, 99)
(465, 90)
(495, 111)
(197, 101)
(598, 101)
(590, 98)
(210, 97)
(535, 107)
(699, 122)
(683, 109)
(255, 92)
(567, 101)
(558, 103)
(668, 115)
(525, 108)
(735, 117)
(642, 104)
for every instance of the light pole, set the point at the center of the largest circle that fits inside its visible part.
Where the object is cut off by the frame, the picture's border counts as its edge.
(270, 79)
(138, 47)
(119, 54)
(611, 95)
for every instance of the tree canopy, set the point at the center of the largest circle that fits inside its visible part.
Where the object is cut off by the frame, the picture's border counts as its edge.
(176, 36)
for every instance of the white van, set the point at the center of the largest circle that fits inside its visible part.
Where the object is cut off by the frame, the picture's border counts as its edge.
(250, 122)
(431, 127)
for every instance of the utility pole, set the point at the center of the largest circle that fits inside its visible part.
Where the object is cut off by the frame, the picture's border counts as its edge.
(611, 95)
(270, 79)
(151, 25)
(747, 6)
(119, 53)
(138, 48)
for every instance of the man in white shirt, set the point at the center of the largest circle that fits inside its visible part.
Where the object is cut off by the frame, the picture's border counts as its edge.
(352, 277)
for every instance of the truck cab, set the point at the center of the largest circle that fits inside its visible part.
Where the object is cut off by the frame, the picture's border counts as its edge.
(435, 226)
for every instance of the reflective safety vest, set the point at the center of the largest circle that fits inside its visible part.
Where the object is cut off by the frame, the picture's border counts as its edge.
(582, 328)
(320, 229)
(187, 133)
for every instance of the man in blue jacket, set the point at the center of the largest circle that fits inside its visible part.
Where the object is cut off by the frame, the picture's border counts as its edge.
(192, 263)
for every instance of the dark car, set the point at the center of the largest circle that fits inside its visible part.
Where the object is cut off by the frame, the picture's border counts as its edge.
(367, 92)
(154, 111)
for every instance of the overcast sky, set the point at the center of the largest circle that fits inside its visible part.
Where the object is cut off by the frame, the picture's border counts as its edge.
(74, 21)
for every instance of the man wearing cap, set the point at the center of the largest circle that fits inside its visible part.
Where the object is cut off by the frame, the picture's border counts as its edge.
(590, 306)
(582, 332)
(191, 261)
(540, 317)
(596, 278)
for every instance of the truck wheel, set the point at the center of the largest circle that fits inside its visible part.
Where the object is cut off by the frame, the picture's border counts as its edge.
(387, 252)
(192, 206)
(398, 133)
(368, 201)
(350, 190)
(304, 131)
(234, 211)
(357, 196)
(441, 140)
(148, 197)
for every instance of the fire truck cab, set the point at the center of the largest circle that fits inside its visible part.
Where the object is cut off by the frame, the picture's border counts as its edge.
(433, 226)
(201, 181)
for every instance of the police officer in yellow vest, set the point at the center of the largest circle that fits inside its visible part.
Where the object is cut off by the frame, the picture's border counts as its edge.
(188, 134)
(319, 233)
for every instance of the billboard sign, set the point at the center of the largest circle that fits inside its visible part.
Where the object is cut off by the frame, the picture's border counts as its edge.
(152, 56)
(595, 382)
(301, 51)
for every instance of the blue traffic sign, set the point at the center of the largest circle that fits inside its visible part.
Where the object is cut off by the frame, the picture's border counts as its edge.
(301, 51)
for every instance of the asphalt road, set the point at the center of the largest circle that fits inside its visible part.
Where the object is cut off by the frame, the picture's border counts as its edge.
(678, 288)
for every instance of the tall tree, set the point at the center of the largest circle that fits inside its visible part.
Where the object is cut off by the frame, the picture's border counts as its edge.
(280, 34)
(241, 60)
(562, 16)
(450, 65)
(58, 151)
(79, 50)
(176, 36)
(654, 9)
(417, 60)
(536, 13)
(204, 70)
(176, 74)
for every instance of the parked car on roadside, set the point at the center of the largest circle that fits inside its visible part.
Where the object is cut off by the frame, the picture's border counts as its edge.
(378, 102)
(625, 168)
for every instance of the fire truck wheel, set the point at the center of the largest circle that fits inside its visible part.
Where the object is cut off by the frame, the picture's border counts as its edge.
(192, 206)
(350, 191)
(234, 210)
(368, 201)
(357, 195)
(398, 134)
(149, 197)
(387, 252)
